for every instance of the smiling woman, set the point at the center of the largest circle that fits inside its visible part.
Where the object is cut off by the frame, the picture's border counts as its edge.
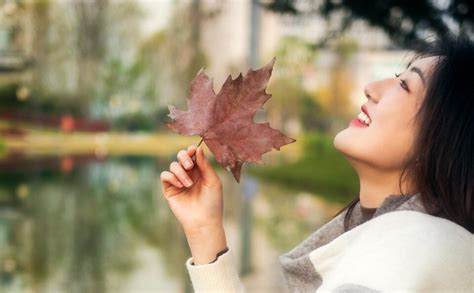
(412, 148)
(390, 109)
(422, 134)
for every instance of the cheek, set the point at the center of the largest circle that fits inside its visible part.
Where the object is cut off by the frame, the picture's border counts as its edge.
(391, 149)
(392, 135)
(395, 118)
(387, 142)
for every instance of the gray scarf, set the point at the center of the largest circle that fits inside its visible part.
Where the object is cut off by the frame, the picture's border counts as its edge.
(296, 264)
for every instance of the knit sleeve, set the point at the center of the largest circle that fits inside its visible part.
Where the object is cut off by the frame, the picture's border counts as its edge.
(219, 276)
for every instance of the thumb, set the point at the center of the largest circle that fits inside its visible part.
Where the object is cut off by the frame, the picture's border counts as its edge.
(208, 173)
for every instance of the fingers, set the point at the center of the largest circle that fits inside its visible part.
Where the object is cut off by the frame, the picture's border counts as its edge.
(191, 150)
(205, 166)
(185, 163)
(168, 178)
(185, 159)
(181, 174)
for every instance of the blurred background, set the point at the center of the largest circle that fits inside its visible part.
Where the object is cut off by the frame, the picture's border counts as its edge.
(84, 89)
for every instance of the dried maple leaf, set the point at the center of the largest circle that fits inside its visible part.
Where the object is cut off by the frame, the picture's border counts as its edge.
(225, 121)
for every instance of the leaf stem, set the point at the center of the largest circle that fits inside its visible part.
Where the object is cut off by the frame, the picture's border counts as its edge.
(202, 139)
(194, 155)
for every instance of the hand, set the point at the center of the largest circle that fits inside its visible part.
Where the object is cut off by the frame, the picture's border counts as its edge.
(194, 193)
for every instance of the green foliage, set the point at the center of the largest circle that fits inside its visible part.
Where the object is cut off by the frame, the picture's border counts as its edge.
(406, 22)
(294, 54)
(3, 148)
(143, 118)
(134, 122)
(291, 100)
(321, 170)
(283, 6)
(175, 53)
(345, 47)
(127, 94)
(37, 102)
(312, 116)
(8, 95)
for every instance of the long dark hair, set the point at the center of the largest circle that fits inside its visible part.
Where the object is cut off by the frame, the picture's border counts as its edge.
(442, 167)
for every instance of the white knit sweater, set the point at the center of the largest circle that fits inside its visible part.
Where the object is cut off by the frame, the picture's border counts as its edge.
(406, 251)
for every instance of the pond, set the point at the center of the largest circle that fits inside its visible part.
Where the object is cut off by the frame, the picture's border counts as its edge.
(88, 223)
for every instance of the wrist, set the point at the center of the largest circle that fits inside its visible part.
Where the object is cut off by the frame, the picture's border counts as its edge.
(205, 243)
(217, 256)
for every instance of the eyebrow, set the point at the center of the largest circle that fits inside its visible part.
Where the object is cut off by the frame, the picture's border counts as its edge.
(420, 73)
(417, 70)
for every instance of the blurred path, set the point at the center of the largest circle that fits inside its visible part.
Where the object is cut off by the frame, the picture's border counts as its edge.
(100, 144)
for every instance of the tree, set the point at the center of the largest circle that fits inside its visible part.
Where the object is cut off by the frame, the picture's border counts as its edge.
(174, 55)
(407, 23)
(90, 44)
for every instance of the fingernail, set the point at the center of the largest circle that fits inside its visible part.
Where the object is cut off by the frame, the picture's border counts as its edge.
(188, 182)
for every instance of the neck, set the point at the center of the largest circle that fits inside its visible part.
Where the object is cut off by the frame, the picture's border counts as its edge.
(376, 185)
(374, 189)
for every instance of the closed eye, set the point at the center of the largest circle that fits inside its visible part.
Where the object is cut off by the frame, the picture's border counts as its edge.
(403, 83)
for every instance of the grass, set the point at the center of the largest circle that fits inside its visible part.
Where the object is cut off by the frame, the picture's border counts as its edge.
(2, 147)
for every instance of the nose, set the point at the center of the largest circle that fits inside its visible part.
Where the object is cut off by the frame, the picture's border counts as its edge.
(366, 92)
(374, 90)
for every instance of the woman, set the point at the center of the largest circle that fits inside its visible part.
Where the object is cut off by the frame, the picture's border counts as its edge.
(410, 227)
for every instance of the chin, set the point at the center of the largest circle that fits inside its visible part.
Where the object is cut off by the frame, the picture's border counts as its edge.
(342, 141)
(346, 143)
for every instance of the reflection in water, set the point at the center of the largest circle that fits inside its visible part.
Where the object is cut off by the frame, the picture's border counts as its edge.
(78, 224)
(78, 231)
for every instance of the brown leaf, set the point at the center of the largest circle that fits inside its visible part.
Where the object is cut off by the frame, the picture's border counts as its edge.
(225, 121)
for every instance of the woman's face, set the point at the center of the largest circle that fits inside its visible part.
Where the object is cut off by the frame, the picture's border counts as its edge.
(386, 143)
